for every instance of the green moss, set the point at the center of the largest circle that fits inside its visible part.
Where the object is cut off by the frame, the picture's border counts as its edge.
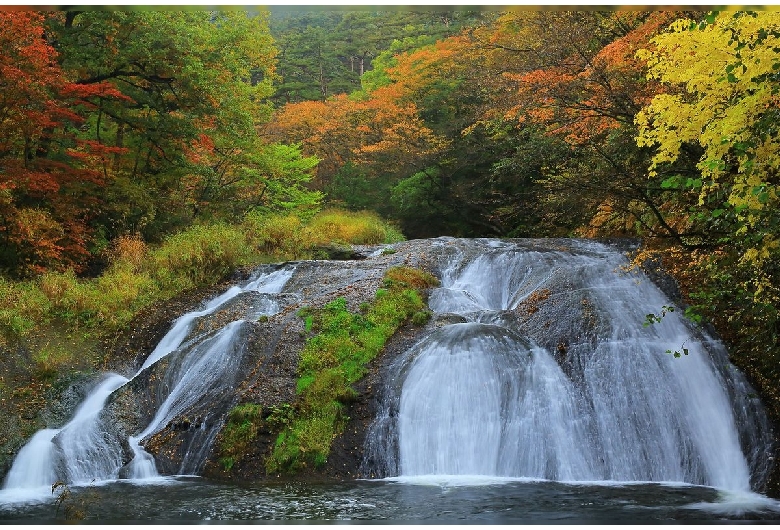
(335, 358)
(420, 318)
(238, 433)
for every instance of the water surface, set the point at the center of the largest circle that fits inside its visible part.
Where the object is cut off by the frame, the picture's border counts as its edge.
(480, 500)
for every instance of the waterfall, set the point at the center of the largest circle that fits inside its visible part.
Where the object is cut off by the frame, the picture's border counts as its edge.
(536, 365)
(208, 369)
(539, 366)
(88, 448)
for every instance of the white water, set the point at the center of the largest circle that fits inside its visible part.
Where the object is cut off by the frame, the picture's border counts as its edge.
(483, 398)
(85, 453)
(35, 460)
(268, 283)
(488, 399)
(84, 450)
(203, 372)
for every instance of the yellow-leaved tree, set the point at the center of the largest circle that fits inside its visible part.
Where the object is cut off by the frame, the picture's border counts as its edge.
(724, 77)
(720, 109)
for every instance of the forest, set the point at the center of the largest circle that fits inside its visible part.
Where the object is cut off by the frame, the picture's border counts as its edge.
(146, 152)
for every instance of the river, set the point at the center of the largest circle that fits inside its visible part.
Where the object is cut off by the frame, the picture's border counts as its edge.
(411, 500)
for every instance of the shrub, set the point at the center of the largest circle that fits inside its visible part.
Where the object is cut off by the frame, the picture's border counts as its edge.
(129, 251)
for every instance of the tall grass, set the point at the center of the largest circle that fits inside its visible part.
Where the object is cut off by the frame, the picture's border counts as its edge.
(358, 228)
(22, 307)
(138, 276)
(288, 237)
(199, 256)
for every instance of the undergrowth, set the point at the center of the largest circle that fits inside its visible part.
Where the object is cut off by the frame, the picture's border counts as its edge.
(138, 276)
(334, 357)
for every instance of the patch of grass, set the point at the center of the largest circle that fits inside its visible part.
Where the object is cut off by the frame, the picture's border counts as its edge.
(279, 416)
(50, 358)
(23, 306)
(238, 433)
(334, 357)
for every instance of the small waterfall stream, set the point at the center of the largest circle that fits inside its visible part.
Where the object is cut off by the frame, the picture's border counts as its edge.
(539, 367)
(86, 449)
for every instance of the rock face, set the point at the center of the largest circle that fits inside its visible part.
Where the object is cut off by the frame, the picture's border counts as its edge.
(245, 349)
(265, 351)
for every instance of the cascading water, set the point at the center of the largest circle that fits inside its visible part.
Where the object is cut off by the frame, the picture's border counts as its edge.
(540, 367)
(536, 365)
(88, 449)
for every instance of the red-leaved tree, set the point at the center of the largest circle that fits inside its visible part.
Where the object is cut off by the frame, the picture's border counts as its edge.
(50, 179)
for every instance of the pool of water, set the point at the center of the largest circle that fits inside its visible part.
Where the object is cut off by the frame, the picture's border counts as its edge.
(408, 500)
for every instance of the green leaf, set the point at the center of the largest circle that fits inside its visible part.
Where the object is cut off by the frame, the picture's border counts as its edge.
(671, 183)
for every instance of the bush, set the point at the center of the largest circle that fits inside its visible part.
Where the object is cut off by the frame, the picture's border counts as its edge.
(128, 252)
(357, 228)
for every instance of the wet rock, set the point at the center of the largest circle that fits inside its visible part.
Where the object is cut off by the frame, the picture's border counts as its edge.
(558, 316)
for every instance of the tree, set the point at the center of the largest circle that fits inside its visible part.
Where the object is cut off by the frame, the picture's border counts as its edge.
(723, 104)
(724, 74)
(585, 87)
(481, 182)
(378, 133)
(324, 52)
(186, 75)
(50, 178)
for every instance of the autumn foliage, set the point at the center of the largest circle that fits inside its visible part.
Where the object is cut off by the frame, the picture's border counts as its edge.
(50, 176)
(124, 122)
(378, 132)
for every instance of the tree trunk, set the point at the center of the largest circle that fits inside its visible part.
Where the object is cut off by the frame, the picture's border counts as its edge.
(120, 140)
